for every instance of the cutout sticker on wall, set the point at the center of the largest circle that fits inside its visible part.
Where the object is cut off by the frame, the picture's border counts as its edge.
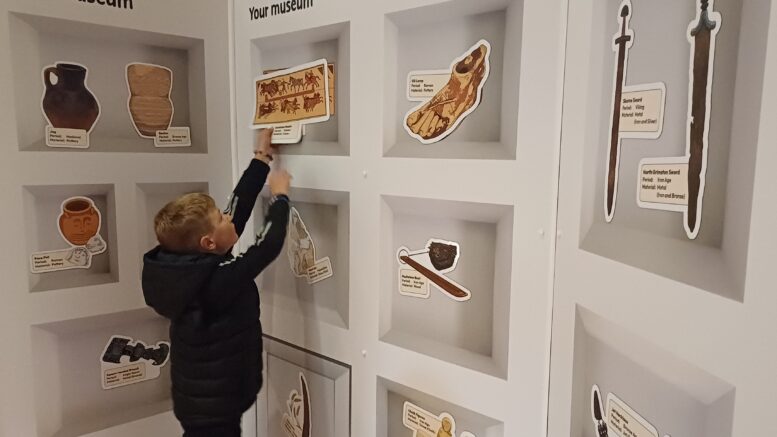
(637, 110)
(302, 252)
(426, 424)
(79, 225)
(418, 268)
(70, 107)
(297, 94)
(438, 116)
(126, 361)
(618, 420)
(297, 418)
(150, 106)
(677, 183)
(293, 132)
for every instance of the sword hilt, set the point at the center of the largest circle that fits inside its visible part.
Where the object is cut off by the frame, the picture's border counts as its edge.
(624, 38)
(704, 20)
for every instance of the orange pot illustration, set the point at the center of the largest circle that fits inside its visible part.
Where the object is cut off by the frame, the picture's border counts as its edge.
(79, 220)
(149, 103)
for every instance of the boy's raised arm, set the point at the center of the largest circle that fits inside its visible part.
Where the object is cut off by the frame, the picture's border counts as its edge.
(268, 245)
(248, 265)
(243, 198)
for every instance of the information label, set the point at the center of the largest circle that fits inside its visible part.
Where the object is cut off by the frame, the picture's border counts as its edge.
(70, 138)
(423, 85)
(626, 422)
(663, 185)
(321, 270)
(173, 137)
(412, 283)
(642, 111)
(126, 375)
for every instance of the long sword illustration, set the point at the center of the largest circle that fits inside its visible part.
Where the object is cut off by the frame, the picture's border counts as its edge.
(621, 43)
(703, 33)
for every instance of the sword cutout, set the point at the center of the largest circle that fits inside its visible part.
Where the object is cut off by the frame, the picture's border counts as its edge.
(702, 33)
(622, 42)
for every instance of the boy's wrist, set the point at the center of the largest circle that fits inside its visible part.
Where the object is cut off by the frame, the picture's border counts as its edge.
(261, 156)
(279, 196)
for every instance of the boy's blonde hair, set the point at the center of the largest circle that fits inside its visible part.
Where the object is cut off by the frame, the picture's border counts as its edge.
(180, 225)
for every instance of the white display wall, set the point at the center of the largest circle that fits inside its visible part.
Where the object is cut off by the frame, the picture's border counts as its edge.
(55, 326)
(679, 330)
(364, 188)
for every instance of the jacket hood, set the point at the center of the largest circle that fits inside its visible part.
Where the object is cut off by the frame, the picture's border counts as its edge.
(172, 281)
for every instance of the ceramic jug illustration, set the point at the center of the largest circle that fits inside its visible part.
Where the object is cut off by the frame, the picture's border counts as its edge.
(69, 104)
(149, 103)
(79, 220)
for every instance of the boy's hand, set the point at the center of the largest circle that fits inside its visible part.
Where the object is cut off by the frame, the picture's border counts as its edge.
(279, 181)
(263, 150)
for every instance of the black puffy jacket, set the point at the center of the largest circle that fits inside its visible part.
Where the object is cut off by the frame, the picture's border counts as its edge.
(213, 304)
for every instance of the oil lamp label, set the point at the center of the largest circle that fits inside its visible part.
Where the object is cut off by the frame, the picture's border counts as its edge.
(279, 8)
(71, 138)
(118, 4)
(173, 137)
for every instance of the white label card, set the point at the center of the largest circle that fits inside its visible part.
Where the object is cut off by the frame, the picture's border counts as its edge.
(68, 138)
(642, 111)
(57, 260)
(287, 133)
(426, 424)
(321, 270)
(625, 422)
(173, 137)
(126, 375)
(413, 284)
(423, 85)
(663, 186)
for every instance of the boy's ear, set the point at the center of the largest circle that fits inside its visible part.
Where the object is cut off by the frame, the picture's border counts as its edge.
(207, 243)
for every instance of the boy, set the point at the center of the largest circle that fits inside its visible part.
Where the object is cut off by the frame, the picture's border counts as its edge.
(211, 298)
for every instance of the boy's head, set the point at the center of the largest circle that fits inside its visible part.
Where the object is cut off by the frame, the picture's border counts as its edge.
(192, 224)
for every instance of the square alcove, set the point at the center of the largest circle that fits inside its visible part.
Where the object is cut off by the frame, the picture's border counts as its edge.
(326, 216)
(332, 43)
(43, 207)
(328, 390)
(38, 42)
(472, 333)
(673, 396)
(69, 396)
(430, 38)
(655, 240)
(391, 401)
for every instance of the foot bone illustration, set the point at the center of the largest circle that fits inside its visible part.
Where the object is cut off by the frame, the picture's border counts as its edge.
(437, 118)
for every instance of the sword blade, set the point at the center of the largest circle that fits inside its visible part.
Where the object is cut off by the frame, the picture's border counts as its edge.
(622, 41)
(703, 39)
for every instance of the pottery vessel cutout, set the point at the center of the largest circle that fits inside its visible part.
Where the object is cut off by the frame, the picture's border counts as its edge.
(149, 102)
(69, 104)
(79, 220)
